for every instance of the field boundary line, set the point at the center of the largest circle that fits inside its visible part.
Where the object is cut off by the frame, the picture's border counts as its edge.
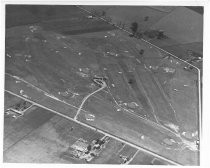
(118, 152)
(131, 159)
(43, 91)
(199, 72)
(96, 129)
(116, 104)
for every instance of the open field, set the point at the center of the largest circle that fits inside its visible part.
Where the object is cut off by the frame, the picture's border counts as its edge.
(163, 110)
(138, 90)
(188, 31)
(31, 139)
(16, 130)
(134, 135)
(154, 58)
(41, 136)
(132, 129)
(53, 64)
(198, 9)
(10, 100)
(122, 151)
(143, 159)
(39, 97)
(128, 14)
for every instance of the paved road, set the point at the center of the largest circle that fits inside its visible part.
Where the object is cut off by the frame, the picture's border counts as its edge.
(51, 101)
(198, 70)
(132, 120)
(62, 101)
(96, 129)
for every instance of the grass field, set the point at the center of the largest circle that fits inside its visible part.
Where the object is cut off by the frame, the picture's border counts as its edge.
(123, 150)
(161, 18)
(144, 159)
(128, 14)
(163, 110)
(57, 59)
(189, 29)
(132, 129)
(41, 136)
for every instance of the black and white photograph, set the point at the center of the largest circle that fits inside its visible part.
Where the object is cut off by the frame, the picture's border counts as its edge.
(103, 84)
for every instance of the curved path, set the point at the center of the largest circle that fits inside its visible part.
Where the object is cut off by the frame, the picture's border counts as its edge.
(103, 85)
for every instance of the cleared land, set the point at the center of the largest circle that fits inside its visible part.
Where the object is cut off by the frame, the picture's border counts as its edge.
(142, 159)
(150, 18)
(55, 69)
(41, 136)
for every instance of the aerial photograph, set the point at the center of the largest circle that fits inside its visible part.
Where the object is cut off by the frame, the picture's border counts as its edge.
(103, 84)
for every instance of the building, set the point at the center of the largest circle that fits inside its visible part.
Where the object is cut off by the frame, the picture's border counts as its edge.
(80, 145)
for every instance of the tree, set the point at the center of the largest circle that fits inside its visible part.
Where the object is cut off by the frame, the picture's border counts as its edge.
(134, 27)
(141, 52)
(146, 18)
(95, 12)
(103, 13)
(130, 81)
(108, 19)
(139, 35)
(119, 23)
(89, 147)
(160, 34)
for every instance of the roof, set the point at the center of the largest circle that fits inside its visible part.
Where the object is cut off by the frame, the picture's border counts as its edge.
(80, 145)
